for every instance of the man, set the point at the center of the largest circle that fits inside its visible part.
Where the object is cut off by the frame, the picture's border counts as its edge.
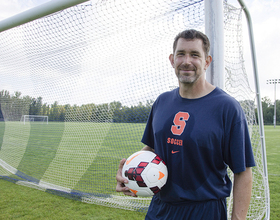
(198, 130)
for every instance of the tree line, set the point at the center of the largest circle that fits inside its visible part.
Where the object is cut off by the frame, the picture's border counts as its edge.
(12, 107)
(268, 111)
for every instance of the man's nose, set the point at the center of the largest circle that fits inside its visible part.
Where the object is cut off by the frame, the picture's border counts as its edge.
(187, 60)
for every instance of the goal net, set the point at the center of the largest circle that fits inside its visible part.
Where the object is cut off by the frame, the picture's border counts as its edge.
(93, 71)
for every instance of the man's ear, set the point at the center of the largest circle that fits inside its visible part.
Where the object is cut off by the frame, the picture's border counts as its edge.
(207, 62)
(171, 59)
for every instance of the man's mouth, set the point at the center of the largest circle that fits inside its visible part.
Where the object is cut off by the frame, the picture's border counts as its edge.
(186, 70)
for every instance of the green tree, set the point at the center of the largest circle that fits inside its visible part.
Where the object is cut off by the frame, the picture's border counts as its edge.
(54, 112)
(278, 111)
(6, 104)
(35, 106)
(267, 110)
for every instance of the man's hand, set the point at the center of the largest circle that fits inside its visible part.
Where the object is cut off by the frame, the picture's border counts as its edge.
(120, 181)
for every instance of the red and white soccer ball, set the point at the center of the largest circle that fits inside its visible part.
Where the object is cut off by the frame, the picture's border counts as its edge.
(146, 173)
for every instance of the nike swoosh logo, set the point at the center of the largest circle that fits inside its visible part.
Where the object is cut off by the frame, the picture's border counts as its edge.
(128, 161)
(175, 151)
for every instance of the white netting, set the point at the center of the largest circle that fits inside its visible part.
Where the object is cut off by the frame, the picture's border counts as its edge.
(95, 70)
(237, 84)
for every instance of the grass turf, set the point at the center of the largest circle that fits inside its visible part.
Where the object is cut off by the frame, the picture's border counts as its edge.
(19, 202)
(272, 139)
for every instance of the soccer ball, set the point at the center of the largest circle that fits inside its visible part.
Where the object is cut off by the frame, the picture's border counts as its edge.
(146, 173)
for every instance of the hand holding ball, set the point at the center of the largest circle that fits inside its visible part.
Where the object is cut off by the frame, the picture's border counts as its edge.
(146, 173)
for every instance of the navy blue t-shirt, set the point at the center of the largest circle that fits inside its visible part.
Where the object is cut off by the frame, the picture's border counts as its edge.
(198, 139)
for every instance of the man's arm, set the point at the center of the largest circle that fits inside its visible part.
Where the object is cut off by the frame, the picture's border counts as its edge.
(148, 148)
(242, 188)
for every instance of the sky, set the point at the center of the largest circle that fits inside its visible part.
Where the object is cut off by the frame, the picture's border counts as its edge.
(265, 18)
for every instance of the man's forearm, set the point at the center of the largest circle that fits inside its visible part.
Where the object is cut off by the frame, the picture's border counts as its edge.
(242, 189)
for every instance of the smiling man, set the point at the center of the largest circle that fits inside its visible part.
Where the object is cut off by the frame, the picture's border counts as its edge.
(189, 60)
(199, 131)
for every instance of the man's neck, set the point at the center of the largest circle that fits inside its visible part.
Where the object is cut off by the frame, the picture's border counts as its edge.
(195, 90)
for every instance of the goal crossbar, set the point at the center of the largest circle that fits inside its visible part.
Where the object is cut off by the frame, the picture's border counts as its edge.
(37, 12)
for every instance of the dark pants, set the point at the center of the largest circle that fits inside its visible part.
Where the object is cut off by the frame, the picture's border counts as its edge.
(206, 210)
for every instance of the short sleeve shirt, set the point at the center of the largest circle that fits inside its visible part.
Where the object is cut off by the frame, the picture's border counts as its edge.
(198, 139)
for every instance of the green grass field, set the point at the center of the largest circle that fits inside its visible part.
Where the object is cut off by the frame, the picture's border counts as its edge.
(19, 202)
(272, 137)
(81, 149)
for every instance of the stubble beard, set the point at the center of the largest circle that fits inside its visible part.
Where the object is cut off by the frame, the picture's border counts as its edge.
(187, 79)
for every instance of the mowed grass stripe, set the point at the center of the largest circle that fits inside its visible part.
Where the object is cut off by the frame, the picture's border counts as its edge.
(80, 156)
(43, 142)
(121, 141)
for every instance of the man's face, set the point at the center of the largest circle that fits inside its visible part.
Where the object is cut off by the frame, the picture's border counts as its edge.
(189, 60)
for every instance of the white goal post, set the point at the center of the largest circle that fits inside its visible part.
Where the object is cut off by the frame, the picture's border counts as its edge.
(214, 28)
(37, 12)
(35, 118)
